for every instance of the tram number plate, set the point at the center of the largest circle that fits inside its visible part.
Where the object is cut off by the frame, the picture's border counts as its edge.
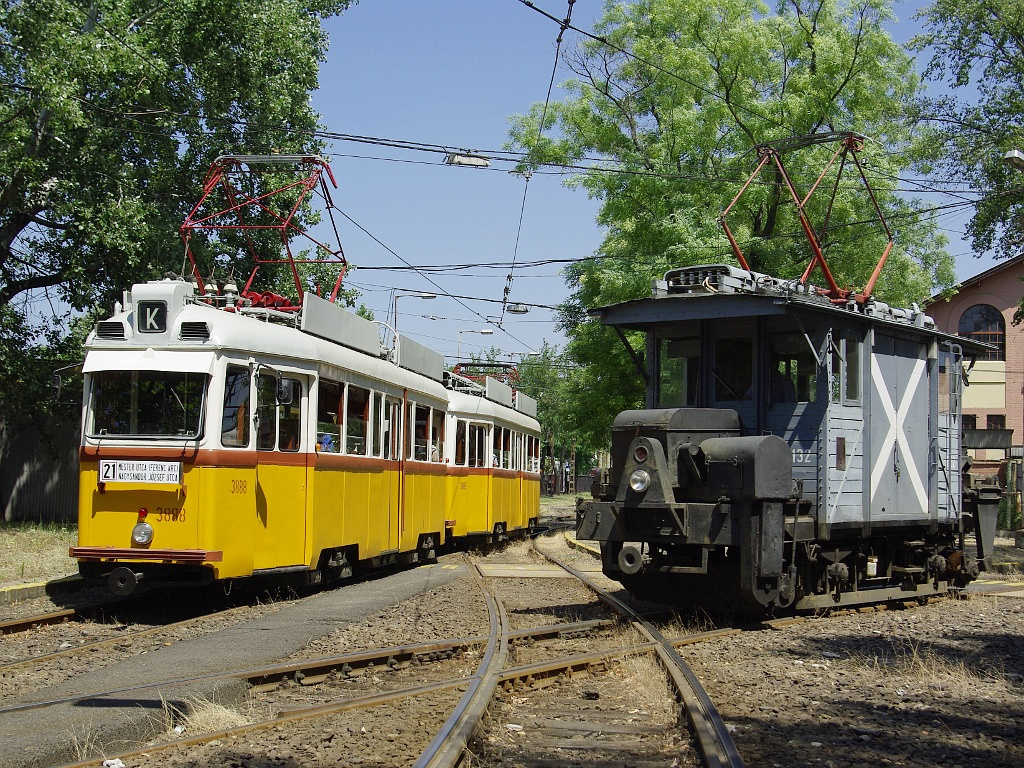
(140, 472)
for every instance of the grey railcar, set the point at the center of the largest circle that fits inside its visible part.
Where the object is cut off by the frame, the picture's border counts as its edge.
(793, 452)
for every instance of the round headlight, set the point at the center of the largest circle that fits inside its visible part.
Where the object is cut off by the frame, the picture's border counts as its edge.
(640, 454)
(639, 480)
(142, 533)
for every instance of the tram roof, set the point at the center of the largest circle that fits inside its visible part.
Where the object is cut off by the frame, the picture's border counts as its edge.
(720, 292)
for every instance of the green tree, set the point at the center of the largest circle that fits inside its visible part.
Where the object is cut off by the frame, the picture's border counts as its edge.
(560, 388)
(976, 48)
(113, 111)
(673, 123)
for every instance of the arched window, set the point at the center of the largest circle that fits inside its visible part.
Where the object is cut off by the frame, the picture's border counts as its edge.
(983, 322)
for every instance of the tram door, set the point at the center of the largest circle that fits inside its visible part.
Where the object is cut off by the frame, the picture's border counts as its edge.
(899, 429)
(280, 517)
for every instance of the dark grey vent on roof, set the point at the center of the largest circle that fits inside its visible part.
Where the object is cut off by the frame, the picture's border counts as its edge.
(694, 277)
(110, 329)
(194, 330)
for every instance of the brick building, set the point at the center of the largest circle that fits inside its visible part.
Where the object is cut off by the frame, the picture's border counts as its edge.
(983, 308)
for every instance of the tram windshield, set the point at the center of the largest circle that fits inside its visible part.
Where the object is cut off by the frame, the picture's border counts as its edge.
(152, 404)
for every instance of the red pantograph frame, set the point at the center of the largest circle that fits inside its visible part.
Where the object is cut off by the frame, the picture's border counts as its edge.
(309, 171)
(849, 145)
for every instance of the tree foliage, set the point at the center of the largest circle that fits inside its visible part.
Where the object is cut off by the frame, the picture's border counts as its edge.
(673, 99)
(976, 47)
(559, 387)
(114, 110)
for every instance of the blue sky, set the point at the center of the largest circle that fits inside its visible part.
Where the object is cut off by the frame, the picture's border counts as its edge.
(450, 73)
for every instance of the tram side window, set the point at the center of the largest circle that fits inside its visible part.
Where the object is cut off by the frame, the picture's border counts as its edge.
(794, 371)
(330, 401)
(266, 412)
(678, 372)
(846, 367)
(506, 449)
(390, 427)
(357, 412)
(375, 430)
(475, 446)
(479, 445)
(486, 452)
(852, 369)
(733, 370)
(437, 436)
(421, 421)
(290, 420)
(460, 443)
(234, 431)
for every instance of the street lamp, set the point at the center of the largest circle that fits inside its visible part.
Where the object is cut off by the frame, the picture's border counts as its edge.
(458, 347)
(418, 295)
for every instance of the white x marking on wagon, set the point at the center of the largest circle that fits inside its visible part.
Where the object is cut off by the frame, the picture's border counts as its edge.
(896, 435)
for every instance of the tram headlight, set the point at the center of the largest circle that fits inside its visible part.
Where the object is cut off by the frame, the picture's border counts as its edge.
(142, 533)
(640, 480)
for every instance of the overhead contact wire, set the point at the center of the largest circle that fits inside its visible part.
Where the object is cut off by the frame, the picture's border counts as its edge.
(540, 132)
(426, 277)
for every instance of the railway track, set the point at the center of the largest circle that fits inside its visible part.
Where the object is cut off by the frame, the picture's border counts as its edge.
(99, 611)
(461, 677)
(568, 692)
(597, 739)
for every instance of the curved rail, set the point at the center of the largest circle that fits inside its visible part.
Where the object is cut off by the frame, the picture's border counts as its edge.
(447, 747)
(713, 739)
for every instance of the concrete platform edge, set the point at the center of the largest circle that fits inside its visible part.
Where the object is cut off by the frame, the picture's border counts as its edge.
(14, 593)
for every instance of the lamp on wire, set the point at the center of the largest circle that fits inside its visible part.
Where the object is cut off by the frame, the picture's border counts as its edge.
(458, 347)
(468, 159)
(417, 294)
(1015, 159)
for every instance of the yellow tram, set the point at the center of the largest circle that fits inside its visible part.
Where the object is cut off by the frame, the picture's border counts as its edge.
(221, 441)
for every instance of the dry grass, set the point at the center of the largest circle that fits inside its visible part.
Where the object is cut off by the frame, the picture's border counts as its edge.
(200, 715)
(565, 500)
(924, 666)
(35, 550)
(85, 745)
(641, 675)
(682, 625)
(1006, 572)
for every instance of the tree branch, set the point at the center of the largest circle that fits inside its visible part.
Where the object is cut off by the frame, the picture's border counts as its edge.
(15, 287)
